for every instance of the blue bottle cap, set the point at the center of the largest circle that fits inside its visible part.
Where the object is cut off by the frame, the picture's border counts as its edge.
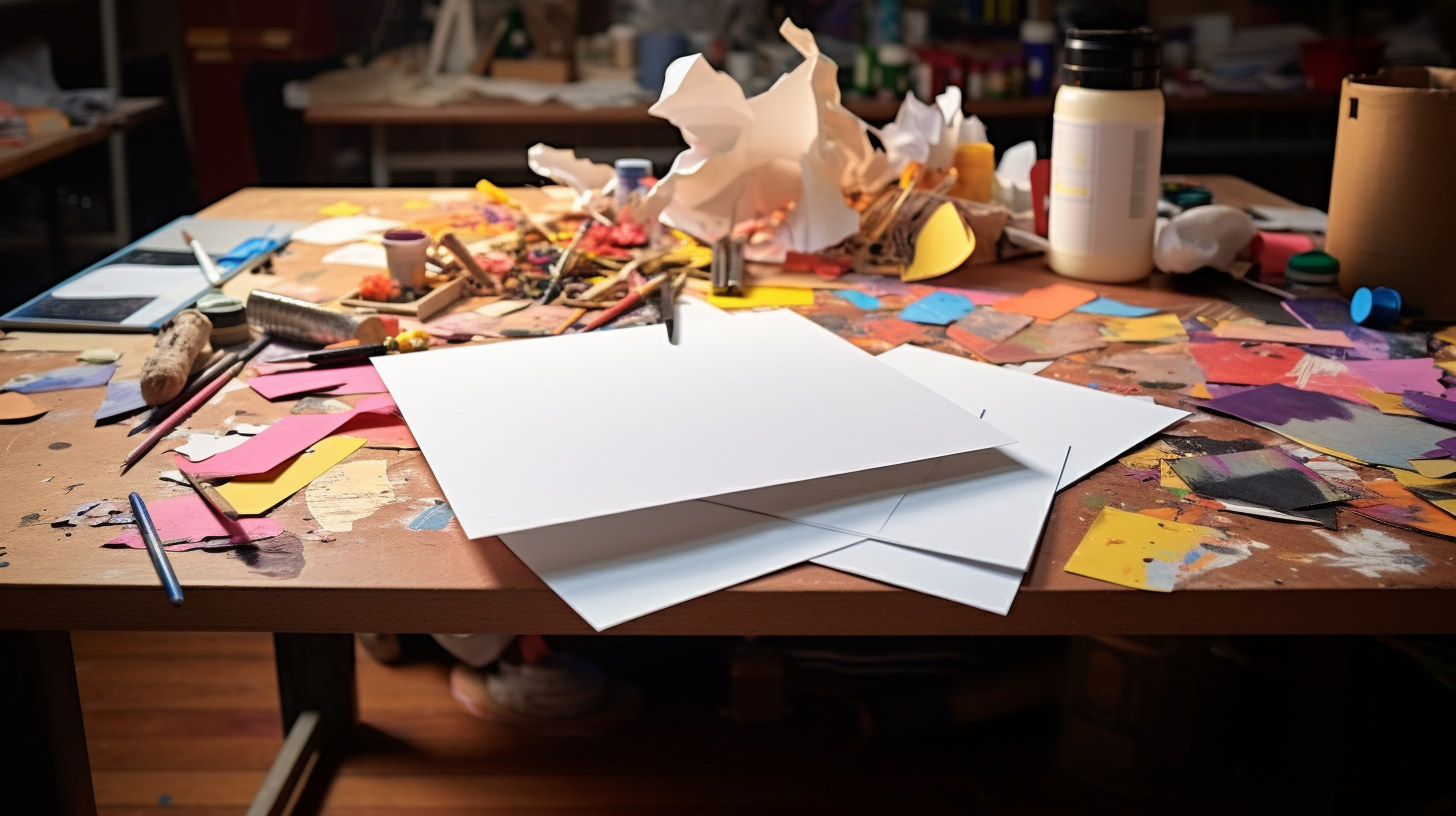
(1375, 307)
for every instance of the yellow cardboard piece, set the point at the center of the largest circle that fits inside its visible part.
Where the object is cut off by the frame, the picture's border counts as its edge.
(341, 208)
(1158, 328)
(1140, 551)
(1149, 457)
(1200, 391)
(1435, 468)
(1446, 335)
(764, 296)
(1388, 403)
(1170, 478)
(1448, 365)
(255, 495)
(944, 243)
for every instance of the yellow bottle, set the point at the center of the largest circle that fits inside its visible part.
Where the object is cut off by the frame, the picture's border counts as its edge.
(975, 166)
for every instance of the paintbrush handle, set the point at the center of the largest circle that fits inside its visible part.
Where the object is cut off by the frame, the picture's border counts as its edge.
(165, 426)
(154, 549)
(632, 299)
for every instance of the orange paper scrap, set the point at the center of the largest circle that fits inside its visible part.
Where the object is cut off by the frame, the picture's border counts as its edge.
(1048, 302)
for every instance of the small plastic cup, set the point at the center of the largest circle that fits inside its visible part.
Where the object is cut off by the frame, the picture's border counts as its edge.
(404, 252)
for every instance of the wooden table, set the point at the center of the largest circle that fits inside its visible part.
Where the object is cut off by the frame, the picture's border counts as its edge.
(383, 577)
(50, 146)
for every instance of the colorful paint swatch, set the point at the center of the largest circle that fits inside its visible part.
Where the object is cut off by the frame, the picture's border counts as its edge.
(757, 296)
(1143, 552)
(255, 495)
(15, 407)
(189, 523)
(1230, 330)
(1400, 376)
(1047, 341)
(938, 309)
(1333, 425)
(1441, 410)
(984, 329)
(61, 379)
(1267, 477)
(1048, 302)
(1159, 328)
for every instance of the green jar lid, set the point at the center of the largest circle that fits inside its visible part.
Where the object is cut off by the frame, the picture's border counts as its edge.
(1314, 266)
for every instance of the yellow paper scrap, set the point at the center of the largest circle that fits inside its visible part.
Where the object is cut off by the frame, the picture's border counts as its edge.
(1435, 468)
(1143, 552)
(494, 193)
(764, 296)
(1448, 365)
(339, 208)
(1199, 391)
(418, 204)
(944, 243)
(1149, 457)
(1446, 335)
(1388, 403)
(1158, 328)
(254, 495)
(1170, 478)
(1437, 491)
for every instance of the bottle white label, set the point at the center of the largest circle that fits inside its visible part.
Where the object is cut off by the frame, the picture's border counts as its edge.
(1104, 188)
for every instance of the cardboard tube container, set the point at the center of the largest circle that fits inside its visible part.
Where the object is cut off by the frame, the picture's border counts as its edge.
(1393, 185)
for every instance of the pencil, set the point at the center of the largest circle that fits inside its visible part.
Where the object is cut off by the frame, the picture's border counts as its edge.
(576, 315)
(199, 382)
(165, 426)
(633, 298)
(154, 549)
(210, 495)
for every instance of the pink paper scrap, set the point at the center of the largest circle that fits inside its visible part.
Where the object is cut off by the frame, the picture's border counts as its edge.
(358, 379)
(191, 519)
(1399, 376)
(285, 439)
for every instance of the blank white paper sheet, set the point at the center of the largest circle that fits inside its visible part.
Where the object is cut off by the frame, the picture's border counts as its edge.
(955, 579)
(524, 435)
(1096, 425)
(619, 567)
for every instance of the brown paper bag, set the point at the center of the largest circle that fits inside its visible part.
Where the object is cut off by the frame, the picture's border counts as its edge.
(1393, 192)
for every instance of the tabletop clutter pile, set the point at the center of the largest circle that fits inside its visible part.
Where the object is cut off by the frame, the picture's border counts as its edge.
(738, 445)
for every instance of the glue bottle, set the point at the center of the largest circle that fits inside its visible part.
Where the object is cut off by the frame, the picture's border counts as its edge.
(1107, 144)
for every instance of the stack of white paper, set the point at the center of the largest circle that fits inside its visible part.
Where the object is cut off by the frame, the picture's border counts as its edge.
(756, 443)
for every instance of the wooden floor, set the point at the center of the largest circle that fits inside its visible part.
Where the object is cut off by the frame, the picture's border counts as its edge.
(187, 724)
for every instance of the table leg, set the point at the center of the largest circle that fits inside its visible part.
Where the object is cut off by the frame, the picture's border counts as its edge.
(378, 156)
(45, 769)
(320, 708)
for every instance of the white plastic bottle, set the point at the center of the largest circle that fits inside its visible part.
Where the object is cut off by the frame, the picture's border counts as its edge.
(1107, 145)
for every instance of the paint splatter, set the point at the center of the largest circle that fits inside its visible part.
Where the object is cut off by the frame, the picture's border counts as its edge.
(278, 557)
(432, 518)
(349, 492)
(1372, 553)
(29, 519)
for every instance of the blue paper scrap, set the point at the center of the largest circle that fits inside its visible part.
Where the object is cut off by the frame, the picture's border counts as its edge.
(122, 397)
(1114, 308)
(432, 518)
(61, 379)
(859, 299)
(938, 309)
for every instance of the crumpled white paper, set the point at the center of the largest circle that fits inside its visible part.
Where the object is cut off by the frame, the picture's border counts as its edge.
(588, 178)
(793, 148)
(1211, 235)
(924, 133)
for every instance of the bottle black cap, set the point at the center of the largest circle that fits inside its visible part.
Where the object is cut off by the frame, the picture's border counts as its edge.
(1112, 59)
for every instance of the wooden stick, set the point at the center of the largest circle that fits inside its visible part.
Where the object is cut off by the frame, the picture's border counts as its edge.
(568, 322)
(210, 495)
(457, 248)
(633, 298)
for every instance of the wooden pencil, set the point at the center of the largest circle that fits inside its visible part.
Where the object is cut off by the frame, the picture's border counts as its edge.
(165, 426)
(576, 315)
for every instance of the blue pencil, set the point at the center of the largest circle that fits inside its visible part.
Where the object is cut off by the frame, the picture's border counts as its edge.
(154, 549)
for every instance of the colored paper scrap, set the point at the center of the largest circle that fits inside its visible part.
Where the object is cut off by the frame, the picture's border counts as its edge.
(1158, 328)
(1400, 376)
(1249, 332)
(1448, 445)
(387, 431)
(1388, 403)
(284, 439)
(1435, 468)
(1268, 477)
(1446, 335)
(1047, 341)
(61, 379)
(1048, 302)
(859, 299)
(757, 296)
(1333, 425)
(122, 397)
(1114, 308)
(1268, 363)
(434, 517)
(980, 297)
(201, 446)
(187, 522)
(1397, 506)
(1170, 480)
(1440, 492)
(347, 493)
(356, 379)
(1166, 367)
(984, 329)
(941, 246)
(1143, 552)
(15, 407)
(254, 495)
(1441, 410)
(938, 309)
(1321, 313)
(340, 208)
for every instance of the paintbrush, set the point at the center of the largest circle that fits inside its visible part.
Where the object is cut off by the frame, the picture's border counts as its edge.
(210, 495)
(564, 262)
(154, 549)
(209, 268)
(185, 410)
(633, 298)
(198, 383)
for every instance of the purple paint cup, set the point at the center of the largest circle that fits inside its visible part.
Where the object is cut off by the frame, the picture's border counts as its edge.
(404, 252)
